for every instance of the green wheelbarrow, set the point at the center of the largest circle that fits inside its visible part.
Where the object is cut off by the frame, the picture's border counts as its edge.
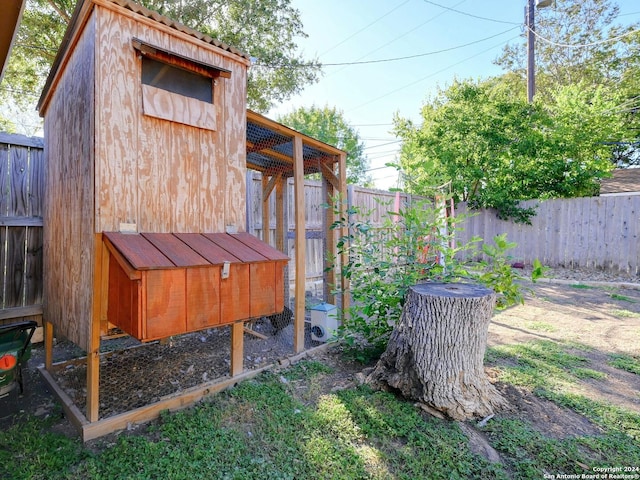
(15, 350)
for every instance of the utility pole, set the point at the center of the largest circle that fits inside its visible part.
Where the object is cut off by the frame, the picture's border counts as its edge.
(531, 53)
(529, 13)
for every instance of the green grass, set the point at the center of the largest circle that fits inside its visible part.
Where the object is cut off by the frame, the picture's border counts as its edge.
(581, 286)
(624, 314)
(624, 298)
(541, 363)
(540, 326)
(629, 363)
(30, 450)
(270, 428)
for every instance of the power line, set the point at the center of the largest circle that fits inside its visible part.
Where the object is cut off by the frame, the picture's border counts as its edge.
(364, 28)
(406, 33)
(394, 59)
(430, 75)
(419, 54)
(382, 144)
(21, 92)
(582, 45)
(470, 14)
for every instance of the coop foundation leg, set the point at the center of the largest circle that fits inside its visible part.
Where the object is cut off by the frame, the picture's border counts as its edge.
(237, 348)
(93, 385)
(48, 345)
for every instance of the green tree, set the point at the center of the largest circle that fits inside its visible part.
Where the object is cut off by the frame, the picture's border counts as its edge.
(265, 29)
(496, 149)
(578, 41)
(329, 126)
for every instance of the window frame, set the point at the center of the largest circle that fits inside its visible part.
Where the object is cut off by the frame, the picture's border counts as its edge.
(176, 107)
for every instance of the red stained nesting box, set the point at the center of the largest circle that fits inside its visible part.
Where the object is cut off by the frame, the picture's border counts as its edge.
(163, 284)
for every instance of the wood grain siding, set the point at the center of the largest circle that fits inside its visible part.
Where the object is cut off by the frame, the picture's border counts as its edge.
(235, 144)
(117, 116)
(160, 172)
(178, 108)
(68, 232)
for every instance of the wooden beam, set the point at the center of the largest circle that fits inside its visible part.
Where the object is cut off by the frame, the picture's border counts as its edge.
(330, 251)
(344, 231)
(281, 227)
(266, 213)
(300, 244)
(237, 348)
(328, 174)
(20, 221)
(291, 133)
(19, 312)
(253, 148)
(267, 187)
(93, 355)
(267, 143)
(257, 168)
(48, 344)
(75, 416)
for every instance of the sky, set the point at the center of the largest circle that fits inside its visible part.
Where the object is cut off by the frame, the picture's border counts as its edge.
(348, 31)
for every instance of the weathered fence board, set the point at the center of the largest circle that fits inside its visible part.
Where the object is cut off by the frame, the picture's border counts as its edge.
(21, 196)
(596, 232)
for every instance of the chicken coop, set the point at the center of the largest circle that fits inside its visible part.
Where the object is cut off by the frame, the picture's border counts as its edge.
(148, 144)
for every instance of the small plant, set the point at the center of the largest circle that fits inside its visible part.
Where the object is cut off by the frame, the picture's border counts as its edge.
(413, 245)
(498, 274)
(625, 314)
(624, 298)
(629, 363)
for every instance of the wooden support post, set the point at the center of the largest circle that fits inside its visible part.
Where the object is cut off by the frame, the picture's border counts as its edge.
(93, 355)
(266, 191)
(281, 228)
(48, 344)
(300, 242)
(344, 200)
(329, 250)
(237, 348)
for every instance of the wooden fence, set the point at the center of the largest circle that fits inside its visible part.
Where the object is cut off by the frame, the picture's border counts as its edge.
(596, 232)
(21, 202)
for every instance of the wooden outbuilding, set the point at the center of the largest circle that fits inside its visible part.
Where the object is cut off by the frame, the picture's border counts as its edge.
(147, 149)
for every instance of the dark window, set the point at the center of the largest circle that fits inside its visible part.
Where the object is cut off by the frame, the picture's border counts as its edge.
(173, 79)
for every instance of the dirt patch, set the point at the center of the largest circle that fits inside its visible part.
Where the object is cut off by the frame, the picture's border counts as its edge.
(593, 323)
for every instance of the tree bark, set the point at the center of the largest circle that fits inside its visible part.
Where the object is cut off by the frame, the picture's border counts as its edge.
(436, 351)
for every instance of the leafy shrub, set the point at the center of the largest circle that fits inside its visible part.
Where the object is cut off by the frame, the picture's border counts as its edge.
(413, 245)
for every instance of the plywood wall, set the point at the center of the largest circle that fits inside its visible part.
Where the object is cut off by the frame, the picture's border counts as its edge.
(162, 175)
(68, 212)
(110, 164)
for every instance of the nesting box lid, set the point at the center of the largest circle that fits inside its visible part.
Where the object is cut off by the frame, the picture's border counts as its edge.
(150, 251)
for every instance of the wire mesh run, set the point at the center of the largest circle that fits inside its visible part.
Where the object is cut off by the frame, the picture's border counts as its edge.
(135, 374)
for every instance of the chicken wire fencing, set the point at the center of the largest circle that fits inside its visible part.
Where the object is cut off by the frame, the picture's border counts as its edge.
(134, 374)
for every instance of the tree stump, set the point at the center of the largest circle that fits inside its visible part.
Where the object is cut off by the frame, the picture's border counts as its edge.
(436, 351)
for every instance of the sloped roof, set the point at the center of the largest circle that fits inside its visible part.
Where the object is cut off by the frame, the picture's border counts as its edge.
(624, 180)
(134, 7)
(9, 23)
(270, 148)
